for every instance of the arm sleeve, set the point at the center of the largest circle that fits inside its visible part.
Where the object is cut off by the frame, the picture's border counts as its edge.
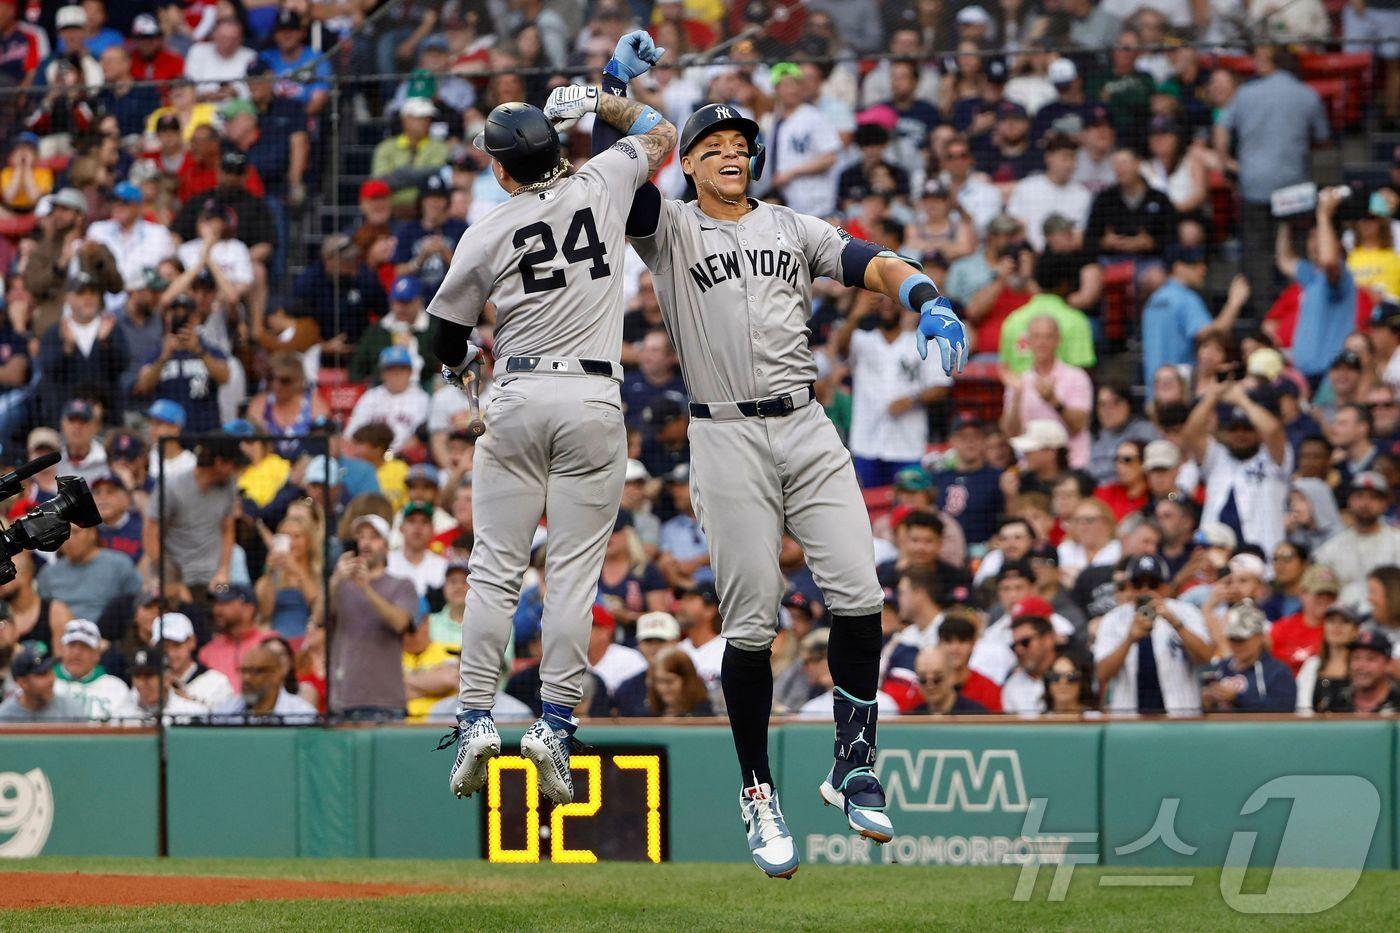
(449, 342)
(467, 285)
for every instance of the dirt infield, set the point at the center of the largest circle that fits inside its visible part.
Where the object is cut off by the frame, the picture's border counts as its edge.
(79, 889)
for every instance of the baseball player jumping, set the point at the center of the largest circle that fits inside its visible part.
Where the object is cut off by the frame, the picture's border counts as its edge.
(555, 443)
(733, 276)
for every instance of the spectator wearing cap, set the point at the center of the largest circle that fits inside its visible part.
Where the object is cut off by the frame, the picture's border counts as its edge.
(292, 61)
(370, 610)
(425, 243)
(137, 244)
(1049, 390)
(684, 555)
(1324, 679)
(994, 654)
(22, 45)
(1367, 543)
(698, 614)
(1097, 144)
(38, 699)
(119, 97)
(656, 632)
(1053, 191)
(85, 351)
(414, 560)
(262, 698)
(1371, 688)
(1006, 153)
(121, 528)
(802, 157)
(83, 454)
(151, 58)
(637, 504)
(969, 490)
(612, 662)
(340, 294)
(179, 122)
(1342, 385)
(273, 133)
(1246, 470)
(941, 232)
(914, 494)
(1250, 680)
(1147, 647)
(188, 369)
(1175, 513)
(1044, 559)
(445, 625)
(665, 424)
(1175, 317)
(102, 697)
(1295, 638)
(1327, 302)
(60, 256)
(890, 391)
(1130, 220)
(1266, 134)
(449, 91)
(398, 401)
(988, 267)
(873, 172)
(220, 63)
(194, 517)
(1117, 423)
(406, 325)
(165, 421)
(200, 687)
(1068, 112)
(235, 632)
(940, 693)
(407, 160)
(656, 375)
(70, 50)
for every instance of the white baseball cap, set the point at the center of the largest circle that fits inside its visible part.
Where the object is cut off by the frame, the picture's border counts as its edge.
(380, 526)
(70, 16)
(658, 625)
(1217, 534)
(83, 631)
(172, 626)
(1249, 564)
(973, 16)
(636, 471)
(418, 107)
(1041, 434)
(1062, 71)
(1161, 455)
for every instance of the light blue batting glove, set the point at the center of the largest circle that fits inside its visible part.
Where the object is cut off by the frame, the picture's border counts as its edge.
(634, 56)
(938, 323)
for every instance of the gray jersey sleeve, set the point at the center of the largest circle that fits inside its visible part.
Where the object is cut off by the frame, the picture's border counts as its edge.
(822, 244)
(622, 168)
(469, 280)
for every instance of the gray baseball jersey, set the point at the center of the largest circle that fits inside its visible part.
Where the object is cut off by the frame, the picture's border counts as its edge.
(555, 442)
(547, 261)
(736, 297)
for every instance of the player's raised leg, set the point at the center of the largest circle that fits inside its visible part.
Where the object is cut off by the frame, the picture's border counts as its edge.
(827, 516)
(744, 557)
(509, 480)
(584, 492)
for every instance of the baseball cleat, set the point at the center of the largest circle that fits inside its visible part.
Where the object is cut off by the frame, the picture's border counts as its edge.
(851, 783)
(549, 749)
(769, 840)
(477, 743)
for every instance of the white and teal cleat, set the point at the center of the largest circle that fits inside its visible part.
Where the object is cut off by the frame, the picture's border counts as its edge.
(549, 749)
(769, 840)
(477, 743)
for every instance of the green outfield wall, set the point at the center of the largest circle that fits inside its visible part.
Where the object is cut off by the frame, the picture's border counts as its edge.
(1121, 793)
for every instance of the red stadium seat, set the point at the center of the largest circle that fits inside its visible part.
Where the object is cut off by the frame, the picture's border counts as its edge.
(1117, 301)
(979, 389)
(338, 392)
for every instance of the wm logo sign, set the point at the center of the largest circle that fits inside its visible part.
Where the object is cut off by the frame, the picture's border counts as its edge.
(939, 780)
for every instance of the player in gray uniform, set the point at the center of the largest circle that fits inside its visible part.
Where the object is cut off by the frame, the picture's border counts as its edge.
(555, 443)
(733, 276)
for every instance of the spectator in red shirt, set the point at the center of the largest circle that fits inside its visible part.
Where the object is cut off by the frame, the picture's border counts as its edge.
(151, 59)
(210, 164)
(1129, 493)
(1298, 637)
(236, 630)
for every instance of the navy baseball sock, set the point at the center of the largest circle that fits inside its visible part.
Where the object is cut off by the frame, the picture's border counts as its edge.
(559, 717)
(853, 654)
(747, 679)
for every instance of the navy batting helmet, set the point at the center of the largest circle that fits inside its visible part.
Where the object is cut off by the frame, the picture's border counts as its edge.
(713, 117)
(520, 137)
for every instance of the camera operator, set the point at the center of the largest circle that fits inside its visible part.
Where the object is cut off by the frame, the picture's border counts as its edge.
(187, 370)
(1246, 470)
(1147, 647)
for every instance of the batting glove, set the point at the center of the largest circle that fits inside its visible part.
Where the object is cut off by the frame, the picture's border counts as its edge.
(938, 323)
(634, 56)
(457, 375)
(566, 105)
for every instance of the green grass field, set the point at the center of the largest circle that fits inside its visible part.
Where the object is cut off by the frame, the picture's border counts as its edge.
(687, 896)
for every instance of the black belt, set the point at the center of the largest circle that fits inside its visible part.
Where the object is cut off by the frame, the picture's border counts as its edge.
(779, 406)
(527, 364)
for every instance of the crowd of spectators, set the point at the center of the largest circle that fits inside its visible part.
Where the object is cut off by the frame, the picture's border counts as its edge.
(1164, 486)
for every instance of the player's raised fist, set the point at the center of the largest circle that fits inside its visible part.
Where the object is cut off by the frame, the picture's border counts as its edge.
(938, 323)
(567, 104)
(634, 56)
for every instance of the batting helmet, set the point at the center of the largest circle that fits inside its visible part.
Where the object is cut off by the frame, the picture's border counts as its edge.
(713, 117)
(520, 137)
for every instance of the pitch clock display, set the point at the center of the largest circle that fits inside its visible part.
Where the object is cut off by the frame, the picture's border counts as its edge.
(618, 813)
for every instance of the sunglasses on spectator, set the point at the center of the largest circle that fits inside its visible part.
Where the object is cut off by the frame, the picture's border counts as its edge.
(932, 680)
(1063, 677)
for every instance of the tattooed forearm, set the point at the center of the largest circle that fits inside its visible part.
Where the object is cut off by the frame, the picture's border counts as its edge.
(621, 113)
